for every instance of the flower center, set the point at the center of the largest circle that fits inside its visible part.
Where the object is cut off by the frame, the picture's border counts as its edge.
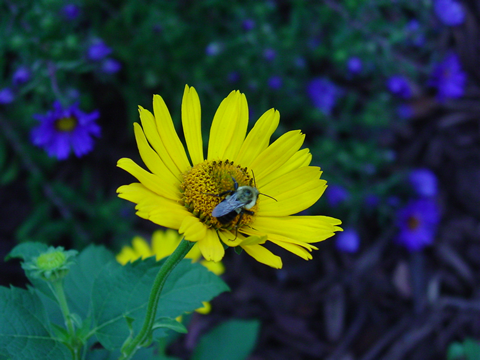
(50, 261)
(413, 222)
(209, 183)
(66, 124)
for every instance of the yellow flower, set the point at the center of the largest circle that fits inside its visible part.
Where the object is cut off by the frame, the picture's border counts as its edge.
(181, 192)
(162, 245)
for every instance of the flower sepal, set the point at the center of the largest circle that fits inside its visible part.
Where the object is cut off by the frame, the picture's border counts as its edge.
(51, 265)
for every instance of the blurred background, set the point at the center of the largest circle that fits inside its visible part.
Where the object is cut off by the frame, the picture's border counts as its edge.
(387, 93)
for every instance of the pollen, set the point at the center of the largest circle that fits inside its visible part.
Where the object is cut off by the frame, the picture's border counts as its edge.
(66, 124)
(207, 184)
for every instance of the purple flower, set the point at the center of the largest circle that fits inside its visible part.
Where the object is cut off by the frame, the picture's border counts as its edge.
(71, 11)
(275, 82)
(111, 66)
(417, 223)
(399, 86)
(64, 129)
(98, 51)
(214, 48)
(21, 75)
(347, 241)
(405, 111)
(336, 195)
(417, 37)
(448, 78)
(6, 96)
(269, 54)
(450, 12)
(248, 24)
(354, 65)
(233, 76)
(324, 94)
(424, 182)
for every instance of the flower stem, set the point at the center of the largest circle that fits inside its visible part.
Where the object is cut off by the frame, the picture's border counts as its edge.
(74, 344)
(131, 346)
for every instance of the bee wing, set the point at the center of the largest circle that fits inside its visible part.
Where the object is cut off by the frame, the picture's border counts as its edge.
(227, 206)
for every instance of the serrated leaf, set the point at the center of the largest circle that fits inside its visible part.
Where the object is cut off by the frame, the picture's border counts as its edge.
(24, 332)
(79, 281)
(232, 340)
(123, 291)
(26, 251)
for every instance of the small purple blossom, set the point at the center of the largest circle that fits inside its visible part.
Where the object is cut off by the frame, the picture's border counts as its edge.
(62, 130)
(417, 223)
(6, 96)
(324, 94)
(21, 75)
(416, 36)
(214, 48)
(449, 12)
(269, 54)
(233, 76)
(275, 82)
(448, 78)
(110, 66)
(336, 195)
(399, 86)
(347, 241)
(248, 24)
(98, 51)
(71, 11)
(354, 65)
(424, 182)
(405, 111)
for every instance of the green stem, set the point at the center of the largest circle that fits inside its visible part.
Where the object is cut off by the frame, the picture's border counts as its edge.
(130, 347)
(57, 289)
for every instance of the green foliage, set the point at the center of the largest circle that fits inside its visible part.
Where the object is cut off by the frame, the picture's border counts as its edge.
(469, 349)
(106, 302)
(233, 340)
(24, 328)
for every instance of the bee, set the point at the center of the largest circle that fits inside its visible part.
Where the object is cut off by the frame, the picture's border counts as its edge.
(238, 201)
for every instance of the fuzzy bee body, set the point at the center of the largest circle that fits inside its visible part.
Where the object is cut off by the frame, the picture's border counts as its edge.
(236, 202)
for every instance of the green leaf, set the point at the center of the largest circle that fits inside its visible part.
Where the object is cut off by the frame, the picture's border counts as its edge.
(123, 291)
(24, 331)
(79, 281)
(232, 340)
(27, 250)
(168, 323)
(472, 349)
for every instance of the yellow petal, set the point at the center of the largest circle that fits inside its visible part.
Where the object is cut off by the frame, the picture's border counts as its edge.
(293, 192)
(205, 309)
(216, 267)
(151, 132)
(238, 135)
(151, 158)
(192, 125)
(151, 181)
(169, 136)
(154, 207)
(228, 127)
(192, 229)
(277, 154)
(211, 247)
(141, 247)
(300, 159)
(165, 242)
(258, 138)
(264, 256)
(310, 229)
(126, 254)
